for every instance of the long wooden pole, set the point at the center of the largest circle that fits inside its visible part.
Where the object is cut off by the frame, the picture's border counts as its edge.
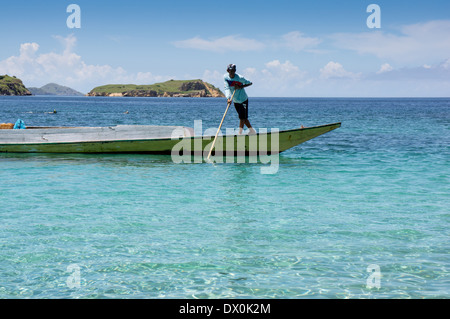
(223, 118)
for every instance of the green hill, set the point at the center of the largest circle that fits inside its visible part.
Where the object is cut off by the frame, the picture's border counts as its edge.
(54, 89)
(172, 88)
(12, 86)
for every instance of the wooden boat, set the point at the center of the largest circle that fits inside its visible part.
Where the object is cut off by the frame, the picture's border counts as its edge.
(151, 139)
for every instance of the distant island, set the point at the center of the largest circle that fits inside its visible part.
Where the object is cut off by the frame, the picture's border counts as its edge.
(54, 89)
(172, 88)
(12, 86)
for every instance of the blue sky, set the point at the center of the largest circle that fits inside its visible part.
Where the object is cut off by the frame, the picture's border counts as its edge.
(286, 48)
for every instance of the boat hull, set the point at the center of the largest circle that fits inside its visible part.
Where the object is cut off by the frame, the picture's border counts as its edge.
(152, 140)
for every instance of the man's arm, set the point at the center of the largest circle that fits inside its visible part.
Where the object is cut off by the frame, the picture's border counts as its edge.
(244, 82)
(227, 90)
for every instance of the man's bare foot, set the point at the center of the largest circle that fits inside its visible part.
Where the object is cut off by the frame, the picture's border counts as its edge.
(251, 131)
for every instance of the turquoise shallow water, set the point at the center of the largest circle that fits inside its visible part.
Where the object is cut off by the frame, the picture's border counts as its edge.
(373, 192)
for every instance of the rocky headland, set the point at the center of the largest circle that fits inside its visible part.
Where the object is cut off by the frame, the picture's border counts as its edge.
(172, 88)
(12, 86)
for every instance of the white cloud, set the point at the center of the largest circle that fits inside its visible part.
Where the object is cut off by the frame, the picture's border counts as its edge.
(224, 44)
(416, 43)
(278, 79)
(386, 67)
(67, 68)
(250, 71)
(283, 71)
(16, 65)
(297, 42)
(214, 77)
(335, 70)
(68, 42)
(439, 72)
(294, 41)
(28, 50)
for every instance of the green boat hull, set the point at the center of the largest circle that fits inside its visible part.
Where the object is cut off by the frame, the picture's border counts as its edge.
(142, 140)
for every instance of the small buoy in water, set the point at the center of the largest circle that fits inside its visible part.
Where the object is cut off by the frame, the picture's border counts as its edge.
(126, 112)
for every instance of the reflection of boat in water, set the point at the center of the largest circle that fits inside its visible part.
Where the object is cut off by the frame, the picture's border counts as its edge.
(149, 139)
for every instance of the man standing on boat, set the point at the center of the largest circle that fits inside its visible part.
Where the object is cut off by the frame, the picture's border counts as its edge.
(234, 81)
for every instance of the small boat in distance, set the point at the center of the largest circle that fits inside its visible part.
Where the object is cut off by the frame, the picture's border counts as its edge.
(150, 139)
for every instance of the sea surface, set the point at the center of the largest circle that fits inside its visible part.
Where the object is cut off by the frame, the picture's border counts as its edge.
(360, 212)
